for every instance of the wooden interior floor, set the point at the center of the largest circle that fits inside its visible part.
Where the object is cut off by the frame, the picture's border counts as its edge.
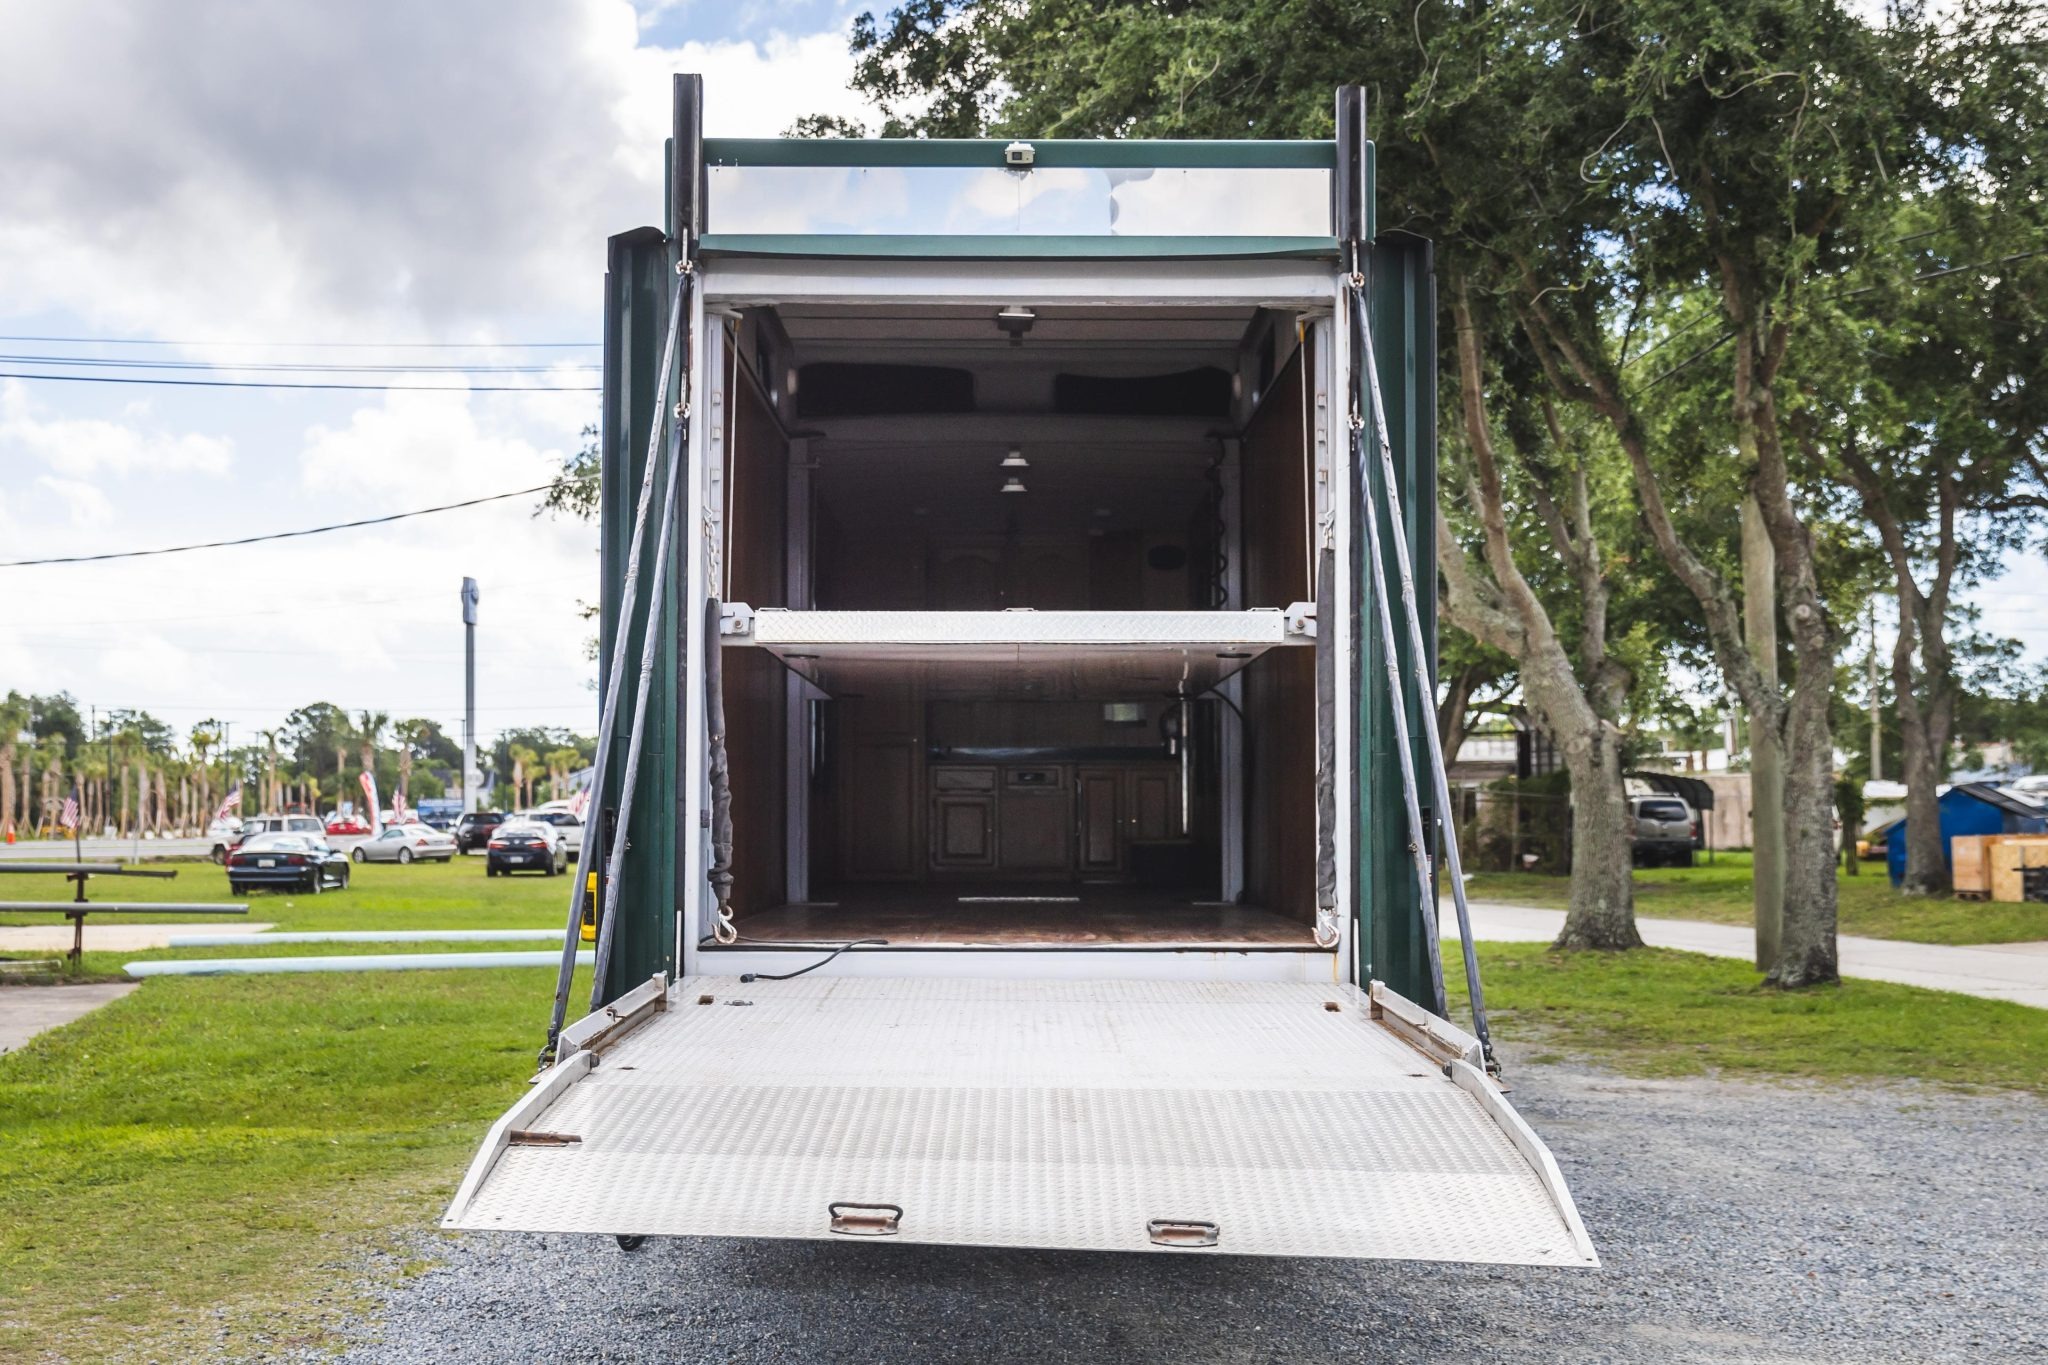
(1009, 916)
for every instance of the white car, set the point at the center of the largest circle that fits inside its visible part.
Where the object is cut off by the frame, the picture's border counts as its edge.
(227, 835)
(406, 844)
(561, 819)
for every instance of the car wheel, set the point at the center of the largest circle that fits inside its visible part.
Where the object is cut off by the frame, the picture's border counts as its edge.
(237, 889)
(316, 884)
(490, 871)
(357, 855)
(342, 885)
(220, 856)
(405, 855)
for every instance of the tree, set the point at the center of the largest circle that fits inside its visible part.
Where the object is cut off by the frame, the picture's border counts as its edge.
(1942, 438)
(369, 733)
(413, 736)
(14, 722)
(560, 763)
(523, 762)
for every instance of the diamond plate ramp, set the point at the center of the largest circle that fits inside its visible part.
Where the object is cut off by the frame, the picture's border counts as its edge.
(1076, 1115)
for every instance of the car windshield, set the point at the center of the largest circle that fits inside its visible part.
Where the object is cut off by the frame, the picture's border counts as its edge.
(1663, 810)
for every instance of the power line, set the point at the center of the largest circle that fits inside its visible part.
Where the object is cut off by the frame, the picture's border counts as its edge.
(276, 384)
(347, 345)
(293, 366)
(275, 535)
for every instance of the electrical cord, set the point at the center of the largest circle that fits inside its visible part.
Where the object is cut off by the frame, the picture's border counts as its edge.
(789, 976)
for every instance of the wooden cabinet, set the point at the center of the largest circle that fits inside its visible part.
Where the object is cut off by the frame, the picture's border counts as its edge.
(963, 830)
(1034, 821)
(1100, 793)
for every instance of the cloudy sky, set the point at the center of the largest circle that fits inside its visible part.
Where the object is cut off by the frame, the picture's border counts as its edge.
(363, 184)
(237, 180)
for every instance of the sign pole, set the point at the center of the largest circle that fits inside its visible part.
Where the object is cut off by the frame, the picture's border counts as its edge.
(470, 596)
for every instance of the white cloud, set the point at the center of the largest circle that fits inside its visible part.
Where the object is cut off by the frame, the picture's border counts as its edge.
(371, 170)
(85, 447)
(85, 503)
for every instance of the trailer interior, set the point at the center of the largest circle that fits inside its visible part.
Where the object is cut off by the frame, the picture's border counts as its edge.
(1132, 481)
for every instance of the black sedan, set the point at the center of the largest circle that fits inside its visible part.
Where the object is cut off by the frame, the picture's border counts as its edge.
(526, 845)
(291, 862)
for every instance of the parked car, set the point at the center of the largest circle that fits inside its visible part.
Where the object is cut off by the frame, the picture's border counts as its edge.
(1664, 830)
(473, 831)
(293, 862)
(525, 845)
(347, 824)
(561, 819)
(308, 825)
(406, 844)
(223, 835)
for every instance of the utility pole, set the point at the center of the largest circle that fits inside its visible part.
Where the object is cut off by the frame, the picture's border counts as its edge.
(1876, 714)
(1766, 747)
(469, 772)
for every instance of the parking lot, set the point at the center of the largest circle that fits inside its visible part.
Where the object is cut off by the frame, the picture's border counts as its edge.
(1736, 1222)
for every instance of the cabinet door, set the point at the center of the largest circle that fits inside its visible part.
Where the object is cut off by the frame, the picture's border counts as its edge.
(1155, 803)
(1099, 792)
(963, 830)
(878, 800)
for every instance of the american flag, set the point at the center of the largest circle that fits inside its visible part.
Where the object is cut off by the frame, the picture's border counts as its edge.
(234, 800)
(579, 803)
(68, 816)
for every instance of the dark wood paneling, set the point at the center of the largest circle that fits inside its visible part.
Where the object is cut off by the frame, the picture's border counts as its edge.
(755, 692)
(1279, 689)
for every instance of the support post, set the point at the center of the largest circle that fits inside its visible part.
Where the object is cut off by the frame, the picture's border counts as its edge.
(1766, 748)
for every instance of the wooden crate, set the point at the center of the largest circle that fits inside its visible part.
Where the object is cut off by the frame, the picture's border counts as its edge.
(1970, 858)
(2011, 856)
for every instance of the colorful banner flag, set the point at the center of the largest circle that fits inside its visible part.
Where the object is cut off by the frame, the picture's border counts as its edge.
(370, 796)
(233, 803)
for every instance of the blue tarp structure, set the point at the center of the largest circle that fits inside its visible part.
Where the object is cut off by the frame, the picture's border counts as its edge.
(1972, 808)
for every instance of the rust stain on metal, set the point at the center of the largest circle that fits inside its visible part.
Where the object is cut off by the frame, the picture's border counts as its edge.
(535, 1137)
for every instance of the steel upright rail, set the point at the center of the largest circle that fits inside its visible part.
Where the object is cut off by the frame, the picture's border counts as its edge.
(608, 714)
(1425, 683)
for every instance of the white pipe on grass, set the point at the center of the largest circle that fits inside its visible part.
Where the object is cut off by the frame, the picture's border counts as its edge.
(368, 936)
(373, 962)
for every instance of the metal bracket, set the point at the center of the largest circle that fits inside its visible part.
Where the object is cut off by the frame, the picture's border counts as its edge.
(736, 619)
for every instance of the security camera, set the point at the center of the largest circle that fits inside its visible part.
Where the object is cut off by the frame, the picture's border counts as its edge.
(1020, 154)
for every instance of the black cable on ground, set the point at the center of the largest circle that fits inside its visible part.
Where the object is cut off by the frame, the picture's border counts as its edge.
(789, 976)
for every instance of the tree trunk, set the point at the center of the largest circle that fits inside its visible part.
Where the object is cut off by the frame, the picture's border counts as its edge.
(1602, 908)
(6, 788)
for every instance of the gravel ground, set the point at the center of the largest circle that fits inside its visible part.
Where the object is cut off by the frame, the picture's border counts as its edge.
(1736, 1223)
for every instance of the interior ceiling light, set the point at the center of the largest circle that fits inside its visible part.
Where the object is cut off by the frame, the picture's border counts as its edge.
(1016, 320)
(1013, 484)
(1014, 460)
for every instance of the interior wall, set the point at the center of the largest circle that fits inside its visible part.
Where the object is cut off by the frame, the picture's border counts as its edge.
(756, 694)
(1279, 689)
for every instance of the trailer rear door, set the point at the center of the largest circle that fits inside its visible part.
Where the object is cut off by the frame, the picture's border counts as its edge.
(1200, 1118)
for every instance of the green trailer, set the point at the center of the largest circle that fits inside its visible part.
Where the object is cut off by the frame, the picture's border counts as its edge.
(1016, 819)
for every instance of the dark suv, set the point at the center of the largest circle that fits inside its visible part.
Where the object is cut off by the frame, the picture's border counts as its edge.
(473, 831)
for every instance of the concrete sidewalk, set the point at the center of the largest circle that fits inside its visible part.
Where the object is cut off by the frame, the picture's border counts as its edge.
(1998, 971)
(26, 1011)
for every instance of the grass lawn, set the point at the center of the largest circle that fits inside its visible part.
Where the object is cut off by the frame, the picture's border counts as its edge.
(215, 1143)
(1656, 1012)
(1720, 892)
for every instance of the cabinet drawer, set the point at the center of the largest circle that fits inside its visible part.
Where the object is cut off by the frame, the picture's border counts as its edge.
(964, 779)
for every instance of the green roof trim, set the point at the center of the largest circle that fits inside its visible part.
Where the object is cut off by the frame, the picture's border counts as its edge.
(1050, 153)
(1021, 247)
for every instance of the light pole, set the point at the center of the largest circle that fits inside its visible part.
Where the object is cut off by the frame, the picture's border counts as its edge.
(469, 772)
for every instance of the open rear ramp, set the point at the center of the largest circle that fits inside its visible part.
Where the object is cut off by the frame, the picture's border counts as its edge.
(1247, 1118)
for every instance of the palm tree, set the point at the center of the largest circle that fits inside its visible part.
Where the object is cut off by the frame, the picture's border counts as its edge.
(369, 734)
(273, 800)
(342, 737)
(523, 763)
(561, 762)
(14, 719)
(204, 736)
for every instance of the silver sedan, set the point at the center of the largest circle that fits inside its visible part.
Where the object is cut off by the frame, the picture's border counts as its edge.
(405, 844)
